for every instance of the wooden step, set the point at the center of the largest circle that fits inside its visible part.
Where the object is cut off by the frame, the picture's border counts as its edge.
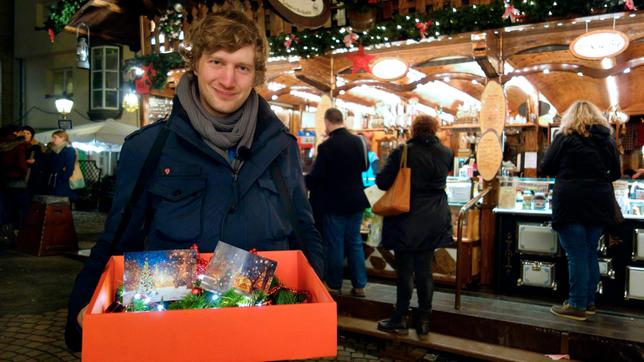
(443, 342)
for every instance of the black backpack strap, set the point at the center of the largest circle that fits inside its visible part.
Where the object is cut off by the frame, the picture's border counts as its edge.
(151, 162)
(278, 178)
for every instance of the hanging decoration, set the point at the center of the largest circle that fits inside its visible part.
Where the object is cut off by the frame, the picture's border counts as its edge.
(52, 35)
(513, 13)
(161, 63)
(289, 40)
(360, 60)
(423, 28)
(349, 39)
(144, 83)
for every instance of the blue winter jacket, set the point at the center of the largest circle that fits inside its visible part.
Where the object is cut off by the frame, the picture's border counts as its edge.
(61, 167)
(191, 199)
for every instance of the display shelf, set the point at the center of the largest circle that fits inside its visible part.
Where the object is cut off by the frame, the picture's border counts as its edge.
(498, 210)
(476, 125)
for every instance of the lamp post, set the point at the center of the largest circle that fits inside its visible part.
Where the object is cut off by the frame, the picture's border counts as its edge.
(64, 107)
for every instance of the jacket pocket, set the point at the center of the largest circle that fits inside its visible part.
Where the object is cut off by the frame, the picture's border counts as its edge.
(178, 212)
(267, 213)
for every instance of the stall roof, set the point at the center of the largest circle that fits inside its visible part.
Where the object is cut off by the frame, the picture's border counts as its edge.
(109, 132)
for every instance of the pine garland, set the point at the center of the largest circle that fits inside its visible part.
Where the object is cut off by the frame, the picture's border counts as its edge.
(231, 298)
(311, 43)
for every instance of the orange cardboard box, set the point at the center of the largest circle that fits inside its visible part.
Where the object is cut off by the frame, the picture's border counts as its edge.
(277, 332)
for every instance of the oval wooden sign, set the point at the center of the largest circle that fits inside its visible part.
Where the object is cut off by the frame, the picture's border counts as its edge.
(489, 155)
(493, 108)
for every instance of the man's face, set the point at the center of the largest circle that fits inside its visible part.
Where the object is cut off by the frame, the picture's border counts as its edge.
(225, 79)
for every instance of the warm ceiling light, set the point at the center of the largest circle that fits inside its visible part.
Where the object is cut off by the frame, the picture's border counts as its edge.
(389, 68)
(599, 44)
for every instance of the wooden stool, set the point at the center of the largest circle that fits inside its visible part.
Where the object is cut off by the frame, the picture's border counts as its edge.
(48, 228)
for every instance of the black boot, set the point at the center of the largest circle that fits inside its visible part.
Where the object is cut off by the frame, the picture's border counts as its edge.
(396, 324)
(422, 324)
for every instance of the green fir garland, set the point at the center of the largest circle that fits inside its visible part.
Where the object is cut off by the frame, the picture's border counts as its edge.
(311, 43)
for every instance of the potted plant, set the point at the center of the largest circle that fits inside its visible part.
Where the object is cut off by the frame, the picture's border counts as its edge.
(361, 13)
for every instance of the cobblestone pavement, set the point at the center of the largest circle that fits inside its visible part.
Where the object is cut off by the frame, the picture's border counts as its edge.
(34, 337)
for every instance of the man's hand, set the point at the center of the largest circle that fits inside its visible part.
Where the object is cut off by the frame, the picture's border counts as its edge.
(81, 316)
(636, 175)
(31, 161)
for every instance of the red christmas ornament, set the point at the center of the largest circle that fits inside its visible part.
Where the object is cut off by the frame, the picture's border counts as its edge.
(349, 39)
(197, 291)
(52, 35)
(144, 83)
(513, 13)
(360, 60)
(423, 27)
(289, 40)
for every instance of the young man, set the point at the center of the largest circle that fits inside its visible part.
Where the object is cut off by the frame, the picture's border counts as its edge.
(336, 186)
(213, 180)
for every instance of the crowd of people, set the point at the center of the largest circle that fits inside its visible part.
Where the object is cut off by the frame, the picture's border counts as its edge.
(28, 168)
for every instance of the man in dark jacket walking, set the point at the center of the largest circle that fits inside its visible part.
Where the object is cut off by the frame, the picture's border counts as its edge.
(336, 186)
(224, 171)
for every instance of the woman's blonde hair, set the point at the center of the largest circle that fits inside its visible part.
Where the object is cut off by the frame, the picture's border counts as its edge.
(580, 116)
(62, 134)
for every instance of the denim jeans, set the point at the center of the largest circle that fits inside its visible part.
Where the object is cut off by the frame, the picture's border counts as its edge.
(580, 243)
(416, 264)
(342, 235)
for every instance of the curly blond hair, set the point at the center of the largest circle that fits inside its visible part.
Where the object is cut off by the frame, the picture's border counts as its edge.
(580, 117)
(230, 31)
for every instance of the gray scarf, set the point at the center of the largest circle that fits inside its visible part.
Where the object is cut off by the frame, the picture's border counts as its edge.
(220, 133)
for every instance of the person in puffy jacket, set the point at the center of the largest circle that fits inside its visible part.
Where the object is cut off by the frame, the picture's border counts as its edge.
(214, 178)
(60, 165)
(415, 235)
(584, 160)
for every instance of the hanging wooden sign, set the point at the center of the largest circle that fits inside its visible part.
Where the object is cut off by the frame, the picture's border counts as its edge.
(320, 129)
(489, 155)
(310, 13)
(493, 108)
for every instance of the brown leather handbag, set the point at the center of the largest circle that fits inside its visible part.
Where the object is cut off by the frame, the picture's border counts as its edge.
(396, 200)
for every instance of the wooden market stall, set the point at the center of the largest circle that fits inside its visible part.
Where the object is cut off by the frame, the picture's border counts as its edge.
(447, 74)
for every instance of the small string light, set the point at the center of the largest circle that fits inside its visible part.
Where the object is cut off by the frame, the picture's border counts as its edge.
(546, 71)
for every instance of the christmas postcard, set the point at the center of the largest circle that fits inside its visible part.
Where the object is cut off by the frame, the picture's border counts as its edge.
(162, 275)
(234, 268)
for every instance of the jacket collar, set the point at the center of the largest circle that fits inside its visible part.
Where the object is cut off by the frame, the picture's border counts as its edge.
(339, 131)
(271, 138)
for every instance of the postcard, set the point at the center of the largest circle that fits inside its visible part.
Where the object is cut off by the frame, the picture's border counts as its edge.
(234, 268)
(162, 275)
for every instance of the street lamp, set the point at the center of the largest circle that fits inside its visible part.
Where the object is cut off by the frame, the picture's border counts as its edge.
(64, 107)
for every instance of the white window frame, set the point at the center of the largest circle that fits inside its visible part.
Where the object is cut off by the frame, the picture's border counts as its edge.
(101, 73)
(67, 73)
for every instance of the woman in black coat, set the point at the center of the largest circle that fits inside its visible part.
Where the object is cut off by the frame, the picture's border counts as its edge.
(584, 159)
(415, 235)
